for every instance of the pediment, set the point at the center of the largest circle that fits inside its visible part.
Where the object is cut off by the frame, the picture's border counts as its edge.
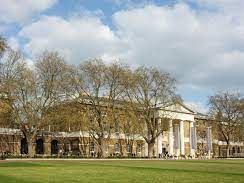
(180, 108)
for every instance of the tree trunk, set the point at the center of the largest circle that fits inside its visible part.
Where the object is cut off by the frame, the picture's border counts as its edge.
(31, 146)
(150, 149)
(228, 150)
(102, 150)
(31, 149)
(121, 147)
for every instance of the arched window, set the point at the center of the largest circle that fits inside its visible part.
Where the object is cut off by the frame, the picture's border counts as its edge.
(24, 146)
(233, 150)
(39, 147)
(238, 150)
(54, 147)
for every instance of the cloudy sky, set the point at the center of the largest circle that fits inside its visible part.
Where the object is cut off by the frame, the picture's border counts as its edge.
(200, 42)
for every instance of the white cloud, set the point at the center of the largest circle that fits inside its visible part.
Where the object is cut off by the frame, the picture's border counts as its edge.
(186, 42)
(2, 29)
(221, 5)
(202, 48)
(14, 43)
(16, 11)
(129, 3)
(30, 63)
(196, 106)
(76, 38)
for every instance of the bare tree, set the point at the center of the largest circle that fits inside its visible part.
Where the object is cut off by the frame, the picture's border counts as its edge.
(227, 110)
(3, 45)
(202, 136)
(147, 89)
(129, 127)
(69, 116)
(5, 113)
(98, 86)
(32, 91)
(6, 138)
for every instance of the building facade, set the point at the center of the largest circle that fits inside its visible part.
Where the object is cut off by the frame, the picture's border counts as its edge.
(189, 135)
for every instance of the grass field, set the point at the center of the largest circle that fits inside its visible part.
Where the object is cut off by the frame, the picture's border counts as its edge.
(216, 171)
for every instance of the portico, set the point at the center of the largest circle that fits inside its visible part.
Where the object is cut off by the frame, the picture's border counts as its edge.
(180, 139)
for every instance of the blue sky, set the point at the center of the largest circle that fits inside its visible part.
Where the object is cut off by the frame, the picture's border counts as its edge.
(199, 42)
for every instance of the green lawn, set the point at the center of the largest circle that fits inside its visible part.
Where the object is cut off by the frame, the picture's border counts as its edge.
(216, 171)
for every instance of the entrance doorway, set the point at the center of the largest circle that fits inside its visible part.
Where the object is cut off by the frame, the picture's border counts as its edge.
(39, 147)
(54, 147)
(24, 146)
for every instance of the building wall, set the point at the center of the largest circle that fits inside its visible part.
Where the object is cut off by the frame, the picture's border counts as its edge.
(9, 144)
(82, 146)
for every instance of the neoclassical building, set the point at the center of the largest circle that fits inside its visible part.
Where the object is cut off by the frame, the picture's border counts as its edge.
(189, 134)
(180, 139)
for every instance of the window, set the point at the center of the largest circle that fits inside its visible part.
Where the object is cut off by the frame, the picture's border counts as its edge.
(92, 147)
(106, 126)
(75, 146)
(116, 147)
(116, 128)
(128, 148)
(138, 148)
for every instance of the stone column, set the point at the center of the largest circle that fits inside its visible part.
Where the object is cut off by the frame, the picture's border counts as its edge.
(159, 140)
(69, 146)
(170, 136)
(182, 138)
(209, 141)
(192, 139)
(176, 139)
